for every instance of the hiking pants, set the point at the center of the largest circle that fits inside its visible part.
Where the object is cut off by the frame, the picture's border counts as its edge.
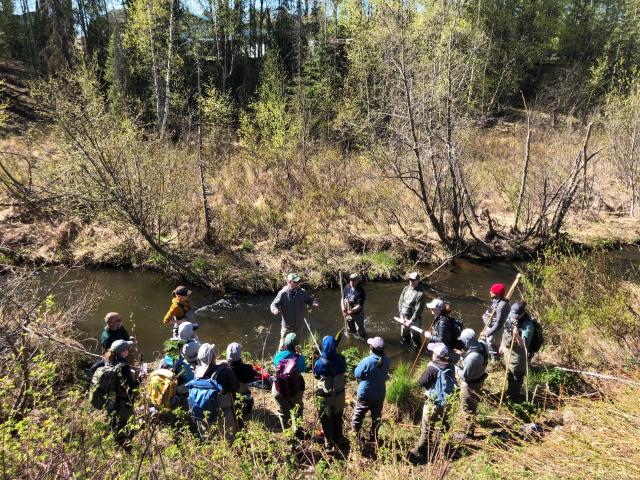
(284, 331)
(118, 419)
(516, 373)
(288, 407)
(494, 342)
(411, 336)
(469, 398)
(434, 423)
(331, 410)
(226, 420)
(361, 409)
(355, 322)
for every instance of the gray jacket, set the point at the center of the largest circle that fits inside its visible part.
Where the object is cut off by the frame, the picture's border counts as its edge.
(291, 304)
(411, 303)
(497, 321)
(475, 361)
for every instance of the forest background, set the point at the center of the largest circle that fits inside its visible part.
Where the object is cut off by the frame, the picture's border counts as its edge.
(230, 142)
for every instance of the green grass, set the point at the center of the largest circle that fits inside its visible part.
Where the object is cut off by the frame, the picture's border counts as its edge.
(401, 387)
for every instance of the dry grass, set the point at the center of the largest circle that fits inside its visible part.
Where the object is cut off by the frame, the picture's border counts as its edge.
(596, 439)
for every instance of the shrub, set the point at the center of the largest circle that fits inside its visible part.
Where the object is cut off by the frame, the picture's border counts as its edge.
(587, 310)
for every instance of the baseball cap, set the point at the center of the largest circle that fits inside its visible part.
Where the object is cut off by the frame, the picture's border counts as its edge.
(376, 342)
(436, 304)
(439, 348)
(294, 277)
(120, 346)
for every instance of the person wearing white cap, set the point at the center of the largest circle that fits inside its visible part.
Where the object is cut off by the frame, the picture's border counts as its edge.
(221, 373)
(189, 340)
(245, 374)
(373, 373)
(290, 303)
(444, 328)
(410, 306)
(472, 376)
(353, 305)
(439, 381)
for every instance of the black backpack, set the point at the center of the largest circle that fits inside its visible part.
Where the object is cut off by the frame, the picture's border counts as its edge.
(458, 327)
(537, 339)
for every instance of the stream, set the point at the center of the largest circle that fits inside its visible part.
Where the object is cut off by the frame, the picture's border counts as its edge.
(143, 297)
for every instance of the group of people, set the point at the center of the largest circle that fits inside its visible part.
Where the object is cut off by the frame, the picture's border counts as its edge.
(197, 371)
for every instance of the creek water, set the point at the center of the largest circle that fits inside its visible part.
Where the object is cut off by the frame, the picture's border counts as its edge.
(143, 297)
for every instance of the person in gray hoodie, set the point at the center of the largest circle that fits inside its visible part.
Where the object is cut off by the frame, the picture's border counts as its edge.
(472, 375)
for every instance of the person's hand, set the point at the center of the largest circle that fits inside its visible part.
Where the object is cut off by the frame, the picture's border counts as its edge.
(501, 350)
(298, 350)
(315, 304)
(132, 339)
(275, 310)
(427, 334)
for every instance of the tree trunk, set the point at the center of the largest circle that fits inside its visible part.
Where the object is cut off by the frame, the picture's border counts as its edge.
(202, 167)
(167, 78)
(525, 167)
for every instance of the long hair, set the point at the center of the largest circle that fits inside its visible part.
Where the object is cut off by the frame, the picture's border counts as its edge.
(380, 353)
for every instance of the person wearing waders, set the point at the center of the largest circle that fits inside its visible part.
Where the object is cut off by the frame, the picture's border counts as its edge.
(472, 376)
(520, 327)
(179, 310)
(290, 303)
(114, 330)
(329, 372)
(439, 381)
(494, 325)
(288, 386)
(372, 373)
(410, 306)
(353, 306)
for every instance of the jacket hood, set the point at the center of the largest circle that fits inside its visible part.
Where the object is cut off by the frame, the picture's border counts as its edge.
(471, 344)
(329, 347)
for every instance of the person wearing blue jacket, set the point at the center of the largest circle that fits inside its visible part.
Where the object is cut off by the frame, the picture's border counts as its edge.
(373, 373)
(329, 371)
(290, 400)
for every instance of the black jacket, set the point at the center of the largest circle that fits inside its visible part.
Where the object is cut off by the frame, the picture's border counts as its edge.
(443, 330)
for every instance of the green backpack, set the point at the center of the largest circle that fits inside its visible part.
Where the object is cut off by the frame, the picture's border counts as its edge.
(105, 384)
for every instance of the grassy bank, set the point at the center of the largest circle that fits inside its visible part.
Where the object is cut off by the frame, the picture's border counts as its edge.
(573, 426)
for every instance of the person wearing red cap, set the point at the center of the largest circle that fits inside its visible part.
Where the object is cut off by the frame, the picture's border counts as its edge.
(494, 319)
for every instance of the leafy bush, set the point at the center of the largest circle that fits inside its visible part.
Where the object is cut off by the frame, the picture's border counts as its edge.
(588, 312)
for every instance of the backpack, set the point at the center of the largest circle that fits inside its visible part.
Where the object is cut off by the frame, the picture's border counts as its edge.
(288, 379)
(458, 327)
(203, 399)
(537, 339)
(106, 384)
(161, 388)
(445, 385)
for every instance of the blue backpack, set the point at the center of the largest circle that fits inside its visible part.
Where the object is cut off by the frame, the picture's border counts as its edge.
(445, 385)
(203, 399)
